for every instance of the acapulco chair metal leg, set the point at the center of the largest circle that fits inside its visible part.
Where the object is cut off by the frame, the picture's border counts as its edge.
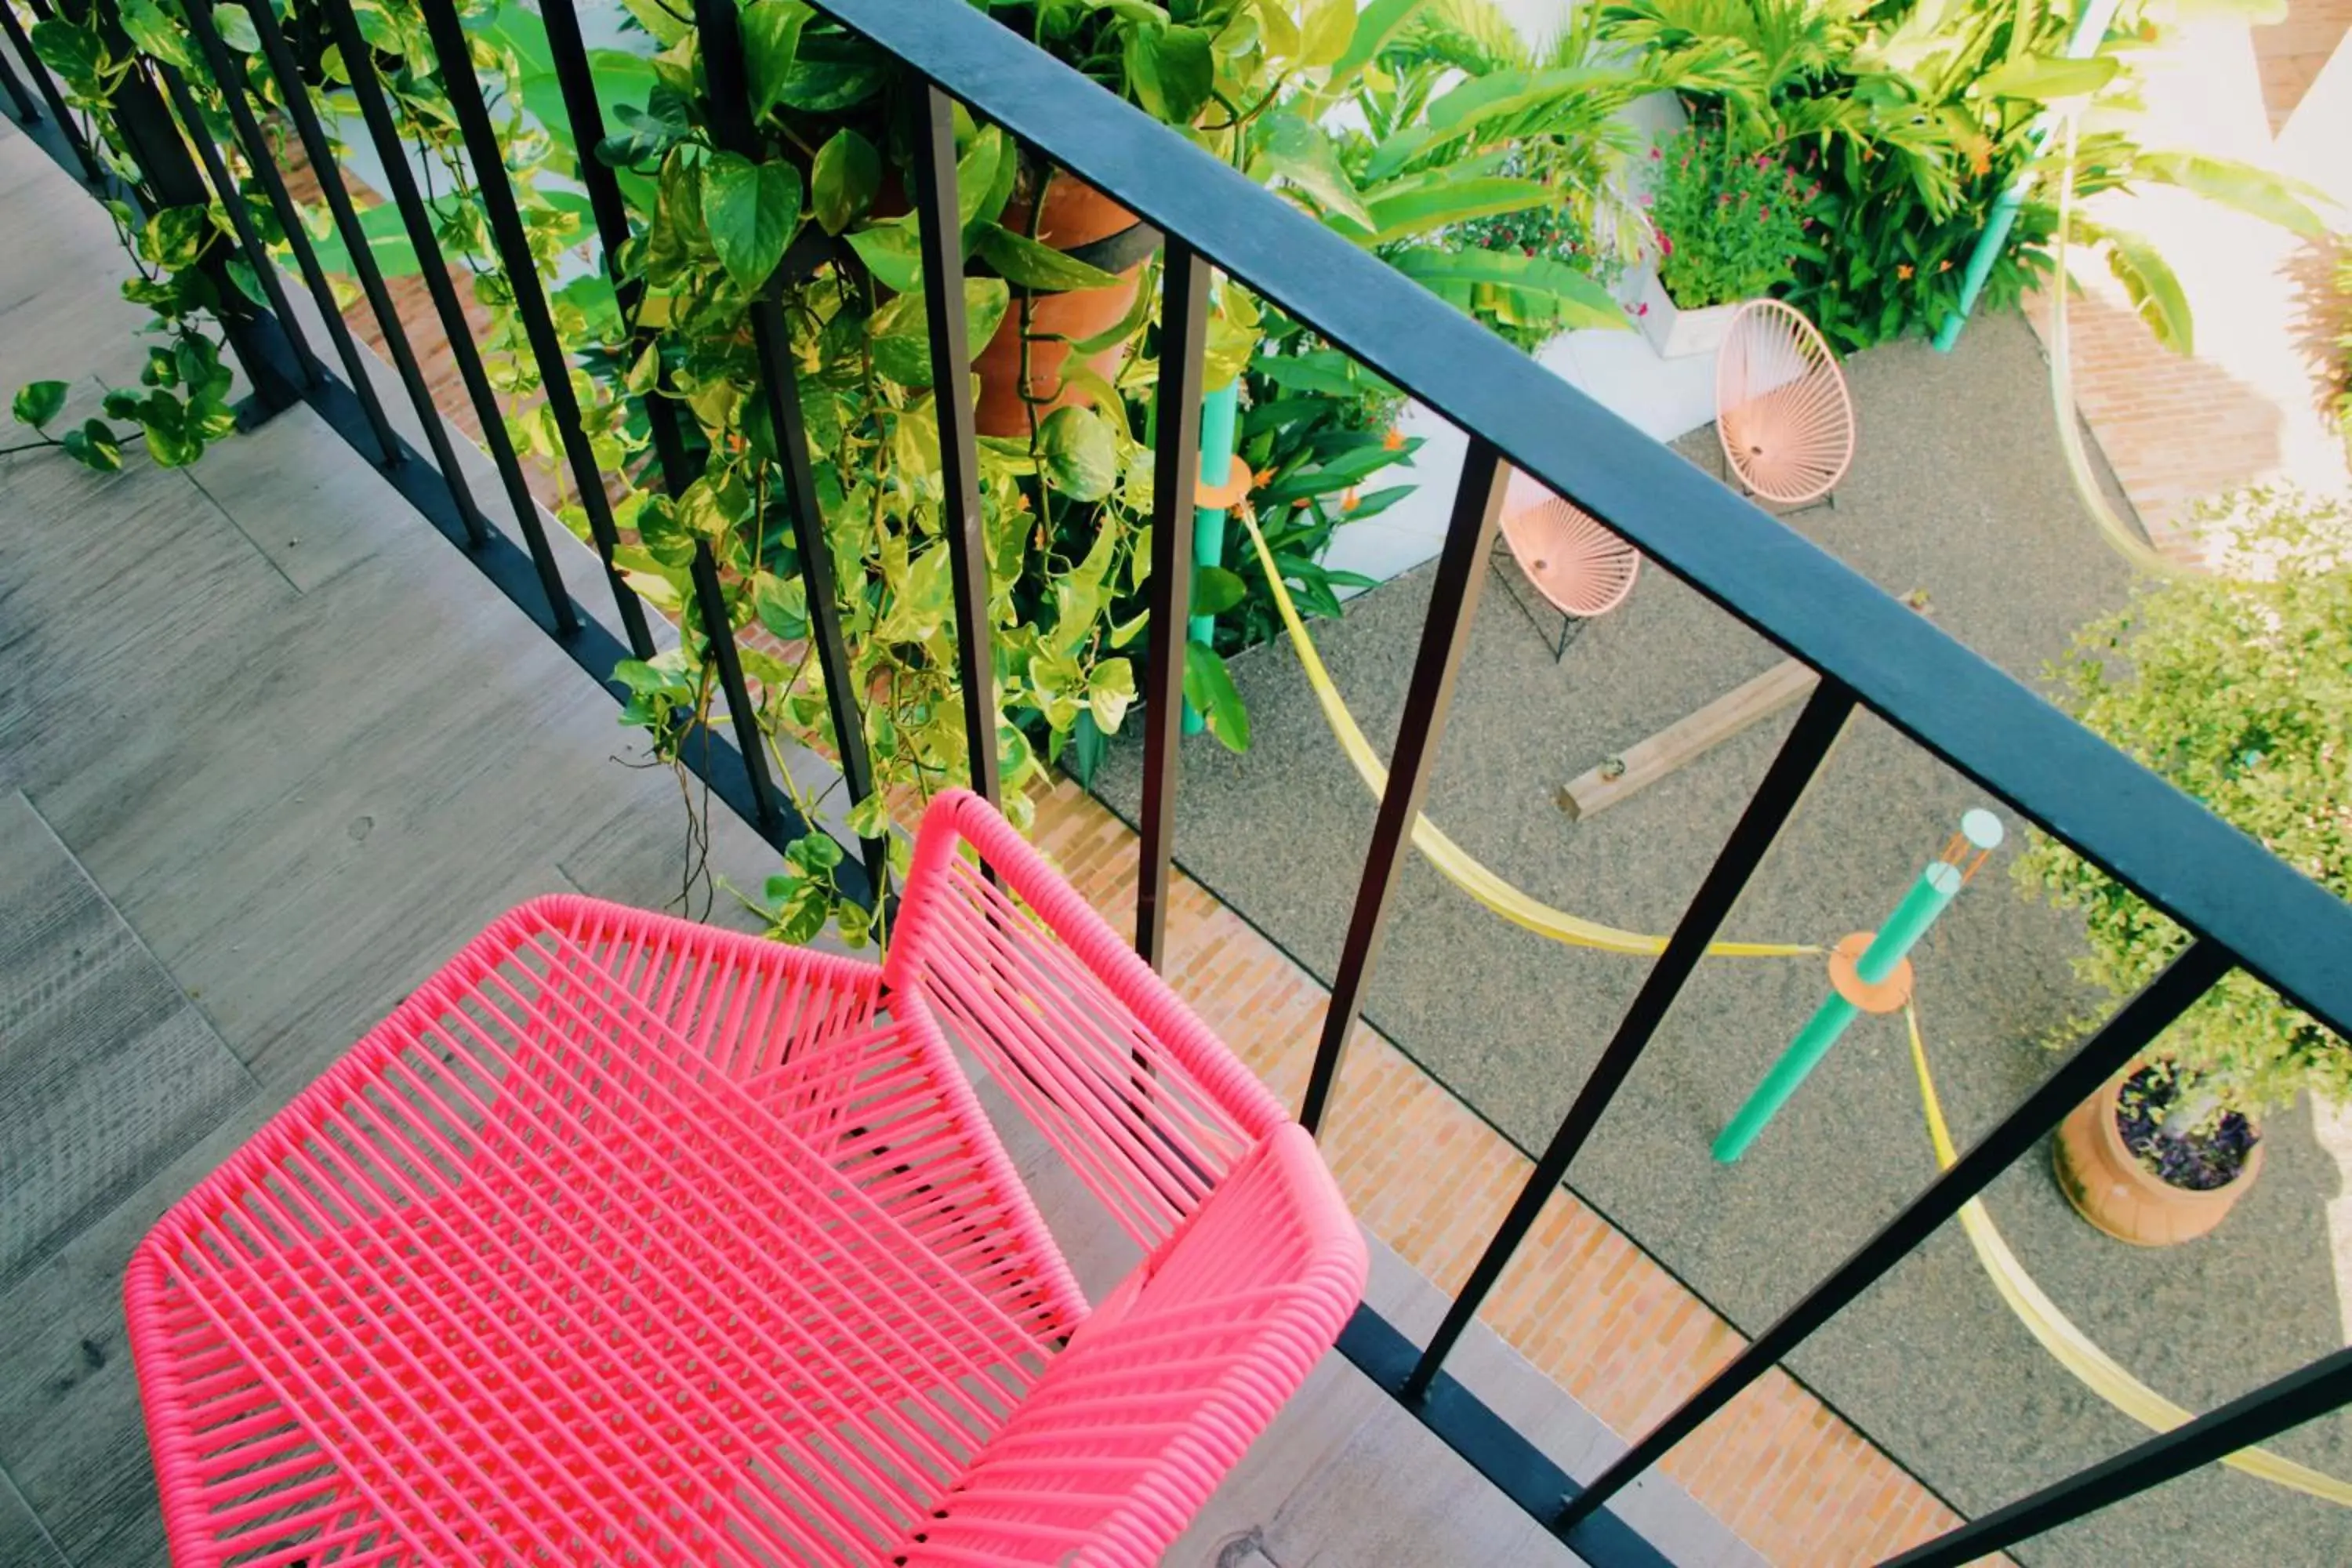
(1496, 555)
(1570, 628)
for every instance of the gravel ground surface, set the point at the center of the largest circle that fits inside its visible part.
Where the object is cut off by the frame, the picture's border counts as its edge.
(1958, 487)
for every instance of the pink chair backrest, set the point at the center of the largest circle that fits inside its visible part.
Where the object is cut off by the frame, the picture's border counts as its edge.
(1147, 1106)
(1574, 560)
(1782, 411)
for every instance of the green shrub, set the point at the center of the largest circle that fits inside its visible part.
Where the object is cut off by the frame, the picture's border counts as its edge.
(1729, 219)
(2239, 692)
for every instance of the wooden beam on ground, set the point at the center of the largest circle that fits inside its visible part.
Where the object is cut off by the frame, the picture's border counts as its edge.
(1686, 738)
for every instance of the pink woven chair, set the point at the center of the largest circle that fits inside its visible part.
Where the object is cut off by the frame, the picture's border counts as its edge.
(1781, 409)
(624, 1240)
(1573, 560)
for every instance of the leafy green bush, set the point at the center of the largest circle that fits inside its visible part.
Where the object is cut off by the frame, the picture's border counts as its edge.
(1915, 116)
(1469, 135)
(1730, 220)
(2239, 691)
(2344, 344)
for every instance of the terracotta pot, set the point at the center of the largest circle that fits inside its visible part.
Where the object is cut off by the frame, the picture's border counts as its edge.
(1075, 214)
(2108, 1186)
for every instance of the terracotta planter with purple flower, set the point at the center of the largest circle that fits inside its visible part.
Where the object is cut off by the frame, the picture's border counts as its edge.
(2136, 1180)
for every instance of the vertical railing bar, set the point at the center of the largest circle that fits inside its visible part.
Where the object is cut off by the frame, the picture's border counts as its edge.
(1453, 605)
(1784, 783)
(568, 52)
(383, 130)
(447, 35)
(2135, 1025)
(296, 92)
(26, 112)
(169, 177)
(241, 217)
(2303, 1395)
(229, 74)
(941, 241)
(93, 173)
(1175, 481)
(730, 107)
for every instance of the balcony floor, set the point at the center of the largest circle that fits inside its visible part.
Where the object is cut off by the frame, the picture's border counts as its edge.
(269, 749)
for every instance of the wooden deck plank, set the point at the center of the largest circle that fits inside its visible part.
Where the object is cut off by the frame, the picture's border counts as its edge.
(109, 1070)
(22, 1542)
(295, 508)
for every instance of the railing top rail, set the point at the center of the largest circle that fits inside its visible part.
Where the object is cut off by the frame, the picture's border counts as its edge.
(2281, 926)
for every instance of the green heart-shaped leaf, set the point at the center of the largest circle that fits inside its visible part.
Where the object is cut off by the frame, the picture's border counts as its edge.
(1080, 456)
(751, 210)
(38, 402)
(843, 180)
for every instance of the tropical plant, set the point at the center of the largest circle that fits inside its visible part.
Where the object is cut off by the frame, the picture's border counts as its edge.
(1468, 134)
(1915, 117)
(1317, 430)
(2239, 690)
(1730, 221)
(2344, 344)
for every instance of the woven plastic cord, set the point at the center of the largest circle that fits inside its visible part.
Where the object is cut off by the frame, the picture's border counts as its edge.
(627, 1241)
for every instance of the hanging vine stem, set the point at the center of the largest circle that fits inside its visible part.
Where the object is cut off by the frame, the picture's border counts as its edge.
(181, 404)
(1059, 519)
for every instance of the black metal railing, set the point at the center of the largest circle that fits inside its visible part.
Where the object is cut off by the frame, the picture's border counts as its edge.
(2242, 908)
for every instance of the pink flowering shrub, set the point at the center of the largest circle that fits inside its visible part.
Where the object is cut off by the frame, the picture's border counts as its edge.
(1730, 223)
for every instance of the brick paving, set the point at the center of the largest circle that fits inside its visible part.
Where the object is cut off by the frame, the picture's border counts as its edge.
(2290, 53)
(2250, 405)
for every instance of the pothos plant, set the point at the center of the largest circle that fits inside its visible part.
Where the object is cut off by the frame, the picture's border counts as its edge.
(1065, 506)
(1065, 509)
(181, 402)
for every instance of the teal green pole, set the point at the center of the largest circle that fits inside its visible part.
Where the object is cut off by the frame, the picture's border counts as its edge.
(1938, 885)
(1998, 223)
(1805, 1054)
(1219, 416)
(2090, 31)
(1935, 889)
(1930, 897)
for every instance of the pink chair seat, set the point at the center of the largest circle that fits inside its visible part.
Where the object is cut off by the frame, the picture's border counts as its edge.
(625, 1240)
(1782, 411)
(1573, 560)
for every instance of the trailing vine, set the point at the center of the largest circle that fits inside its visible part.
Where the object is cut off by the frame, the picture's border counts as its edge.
(181, 402)
(1065, 504)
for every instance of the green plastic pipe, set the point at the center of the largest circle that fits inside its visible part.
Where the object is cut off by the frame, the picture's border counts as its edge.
(1219, 416)
(1938, 885)
(1803, 1055)
(2090, 31)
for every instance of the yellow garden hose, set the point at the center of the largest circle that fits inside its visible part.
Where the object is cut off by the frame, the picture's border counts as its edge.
(1455, 863)
(2072, 1349)
(2125, 538)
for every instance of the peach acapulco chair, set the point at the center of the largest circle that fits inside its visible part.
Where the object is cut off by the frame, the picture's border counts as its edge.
(1580, 567)
(1781, 409)
(624, 1240)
